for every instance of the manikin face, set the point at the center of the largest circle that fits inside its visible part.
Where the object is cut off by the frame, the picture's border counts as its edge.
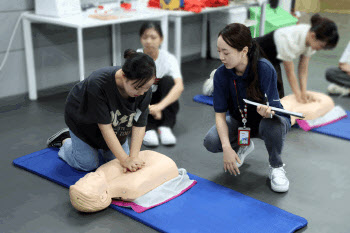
(132, 90)
(229, 56)
(94, 183)
(151, 40)
(316, 44)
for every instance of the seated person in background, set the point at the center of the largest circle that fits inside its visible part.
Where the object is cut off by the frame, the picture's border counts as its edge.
(167, 88)
(94, 192)
(340, 76)
(298, 41)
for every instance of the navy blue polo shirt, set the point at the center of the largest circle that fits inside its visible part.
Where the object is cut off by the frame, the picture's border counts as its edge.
(225, 96)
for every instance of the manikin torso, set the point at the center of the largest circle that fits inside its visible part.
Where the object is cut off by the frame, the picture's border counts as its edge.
(322, 104)
(109, 181)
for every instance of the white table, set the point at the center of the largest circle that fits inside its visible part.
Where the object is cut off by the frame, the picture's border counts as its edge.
(81, 22)
(177, 16)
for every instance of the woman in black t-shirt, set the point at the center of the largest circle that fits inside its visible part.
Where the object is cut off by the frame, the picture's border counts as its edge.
(102, 110)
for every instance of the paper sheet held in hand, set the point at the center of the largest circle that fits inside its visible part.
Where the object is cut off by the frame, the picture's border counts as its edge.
(297, 114)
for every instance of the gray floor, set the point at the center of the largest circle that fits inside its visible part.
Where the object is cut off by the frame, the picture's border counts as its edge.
(317, 164)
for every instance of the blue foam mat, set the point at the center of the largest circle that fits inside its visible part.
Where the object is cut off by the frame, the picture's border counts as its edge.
(340, 129)
(203, 99)
(206, 207)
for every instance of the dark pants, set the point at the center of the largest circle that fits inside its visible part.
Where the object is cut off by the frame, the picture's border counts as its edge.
(337, 76)
(268, 47)
(272, 131)
(169, 113)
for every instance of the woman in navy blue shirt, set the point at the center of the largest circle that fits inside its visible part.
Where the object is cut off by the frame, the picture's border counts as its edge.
(245, 75)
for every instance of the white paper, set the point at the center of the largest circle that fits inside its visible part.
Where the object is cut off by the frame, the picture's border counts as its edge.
(297, 114)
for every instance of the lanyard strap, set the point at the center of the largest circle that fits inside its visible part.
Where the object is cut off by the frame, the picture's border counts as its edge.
(245, 115)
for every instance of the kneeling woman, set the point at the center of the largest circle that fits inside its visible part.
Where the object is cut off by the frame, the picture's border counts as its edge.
(298, 42)
(244, 75)
(103, 110)
(167, 88)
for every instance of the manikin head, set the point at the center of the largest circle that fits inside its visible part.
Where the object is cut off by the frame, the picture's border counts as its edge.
(90, 193)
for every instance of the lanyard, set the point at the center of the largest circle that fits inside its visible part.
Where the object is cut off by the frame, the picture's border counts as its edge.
(245, 115)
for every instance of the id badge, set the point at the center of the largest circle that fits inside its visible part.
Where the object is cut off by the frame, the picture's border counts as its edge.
(243, 136)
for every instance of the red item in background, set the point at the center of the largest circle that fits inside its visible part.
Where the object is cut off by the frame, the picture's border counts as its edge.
(126, 6)
(193, 5)
(154, 3)
(216, 3)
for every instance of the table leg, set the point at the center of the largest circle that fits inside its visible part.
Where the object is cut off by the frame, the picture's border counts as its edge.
(116, 45)
(178, 31)
(81, 53)
(29, 55)
(164, 25)
(262, 19)
(204, 36)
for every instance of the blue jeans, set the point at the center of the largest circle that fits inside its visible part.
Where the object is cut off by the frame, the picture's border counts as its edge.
(81, 156)
(272, 131)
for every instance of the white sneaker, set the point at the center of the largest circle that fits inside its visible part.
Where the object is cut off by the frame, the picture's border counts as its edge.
(208, 86)
(338, 90)
(151, 138)
(166, 136)
(279, 181)
(243, 152)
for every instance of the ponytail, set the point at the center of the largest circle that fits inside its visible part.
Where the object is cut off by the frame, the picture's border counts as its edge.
(316, 20)
(129, 53)
(253, 90)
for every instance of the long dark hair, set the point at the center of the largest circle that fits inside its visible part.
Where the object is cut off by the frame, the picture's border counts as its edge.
(325, 29)
(238, 36)
(138, 67)
(149, 25)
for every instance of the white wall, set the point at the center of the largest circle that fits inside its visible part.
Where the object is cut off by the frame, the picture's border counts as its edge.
(285, 4)
(56, 48)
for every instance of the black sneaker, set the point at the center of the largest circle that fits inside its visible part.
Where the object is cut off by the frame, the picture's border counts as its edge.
(56, 139)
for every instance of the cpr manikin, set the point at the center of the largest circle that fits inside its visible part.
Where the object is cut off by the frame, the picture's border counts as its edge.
(320, 105)
(95, 190)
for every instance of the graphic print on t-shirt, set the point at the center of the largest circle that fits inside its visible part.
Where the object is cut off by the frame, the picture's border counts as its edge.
(122, 124)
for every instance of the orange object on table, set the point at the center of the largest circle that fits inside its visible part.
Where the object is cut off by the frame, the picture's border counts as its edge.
(126, 6)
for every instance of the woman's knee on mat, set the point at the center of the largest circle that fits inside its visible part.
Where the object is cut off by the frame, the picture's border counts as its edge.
(86, 161)
(87, 165)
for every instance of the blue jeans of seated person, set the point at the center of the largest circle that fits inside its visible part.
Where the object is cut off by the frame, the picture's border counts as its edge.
(272, 131)
(81, 156)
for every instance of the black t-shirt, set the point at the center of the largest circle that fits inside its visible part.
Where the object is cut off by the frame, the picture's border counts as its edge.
(97, 100)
